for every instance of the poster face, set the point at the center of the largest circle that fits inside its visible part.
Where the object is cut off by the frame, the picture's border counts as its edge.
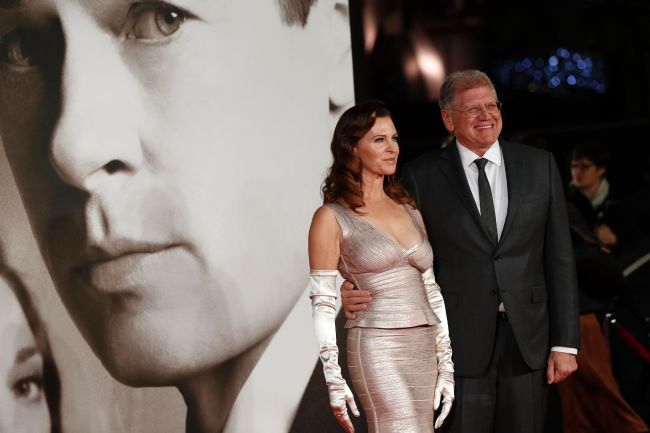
(169, 158)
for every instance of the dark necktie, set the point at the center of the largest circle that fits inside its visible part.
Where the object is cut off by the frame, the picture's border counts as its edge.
(487, 204)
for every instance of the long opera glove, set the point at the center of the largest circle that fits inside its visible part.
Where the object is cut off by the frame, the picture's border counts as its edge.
(322, 291)
(445, 382)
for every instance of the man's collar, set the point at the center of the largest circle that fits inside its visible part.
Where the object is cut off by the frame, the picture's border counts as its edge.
(493, 154)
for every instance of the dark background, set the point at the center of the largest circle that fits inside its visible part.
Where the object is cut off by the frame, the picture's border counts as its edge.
(568, 72)
(512, 41)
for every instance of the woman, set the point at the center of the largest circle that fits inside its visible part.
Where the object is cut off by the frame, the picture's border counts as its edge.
(30, 393)
(369, 229)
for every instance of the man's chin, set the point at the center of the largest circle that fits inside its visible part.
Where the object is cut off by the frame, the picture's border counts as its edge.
(140, 353)
(138, 368)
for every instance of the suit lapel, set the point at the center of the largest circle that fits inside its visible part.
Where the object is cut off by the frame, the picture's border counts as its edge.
(453, 170)
(514, 178)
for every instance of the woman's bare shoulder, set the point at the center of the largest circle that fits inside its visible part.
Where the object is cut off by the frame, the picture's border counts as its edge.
(324, 220)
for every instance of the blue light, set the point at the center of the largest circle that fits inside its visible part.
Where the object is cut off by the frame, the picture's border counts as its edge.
(561, 70)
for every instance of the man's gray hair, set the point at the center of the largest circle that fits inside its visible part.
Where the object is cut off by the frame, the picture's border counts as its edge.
(462, 80)
(295, 11)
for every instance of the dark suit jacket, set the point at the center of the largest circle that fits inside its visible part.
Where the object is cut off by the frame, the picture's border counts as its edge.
(532, 266)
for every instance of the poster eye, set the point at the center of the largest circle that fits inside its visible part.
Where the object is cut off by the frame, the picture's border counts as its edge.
(155, 21)
(28, 389)
(21, 48)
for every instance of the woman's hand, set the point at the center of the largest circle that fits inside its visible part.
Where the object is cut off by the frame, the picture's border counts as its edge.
(445, 390)
(340, 398)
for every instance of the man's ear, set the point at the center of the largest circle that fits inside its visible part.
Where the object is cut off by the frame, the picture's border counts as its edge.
(341, 83)
(446, 119)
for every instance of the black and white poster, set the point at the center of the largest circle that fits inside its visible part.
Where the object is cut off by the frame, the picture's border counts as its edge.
(161, 164)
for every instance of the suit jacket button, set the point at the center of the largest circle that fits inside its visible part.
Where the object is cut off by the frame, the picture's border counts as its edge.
(493, 292)
(497, 258)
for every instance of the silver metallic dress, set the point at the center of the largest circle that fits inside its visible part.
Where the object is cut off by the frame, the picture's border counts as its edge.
(391, 345)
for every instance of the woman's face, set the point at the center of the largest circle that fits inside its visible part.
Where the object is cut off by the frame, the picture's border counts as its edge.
(378, 149)
(585, 174)
(23, 407)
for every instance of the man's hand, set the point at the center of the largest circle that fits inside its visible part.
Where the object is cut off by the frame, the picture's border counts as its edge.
(560, 365)
(353, 300)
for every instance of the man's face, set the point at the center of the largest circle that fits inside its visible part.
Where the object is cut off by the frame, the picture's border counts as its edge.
(476, 131)
(169, 157)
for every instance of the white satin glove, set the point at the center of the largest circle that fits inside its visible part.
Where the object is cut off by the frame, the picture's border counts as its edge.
(322, 291)
(445, 381)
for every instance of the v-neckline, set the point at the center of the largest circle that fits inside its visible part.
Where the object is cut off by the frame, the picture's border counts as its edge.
(390, 238)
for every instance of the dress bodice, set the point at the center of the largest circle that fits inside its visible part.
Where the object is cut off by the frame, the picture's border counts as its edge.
(375, 262)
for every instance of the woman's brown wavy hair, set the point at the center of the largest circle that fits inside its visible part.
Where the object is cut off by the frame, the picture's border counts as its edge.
(343, 183)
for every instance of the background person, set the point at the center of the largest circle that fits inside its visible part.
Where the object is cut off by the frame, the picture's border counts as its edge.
(615, 217)
(604, 211)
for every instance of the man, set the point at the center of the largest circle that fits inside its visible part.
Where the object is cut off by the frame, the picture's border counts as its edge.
(496, 220)
(169, 157)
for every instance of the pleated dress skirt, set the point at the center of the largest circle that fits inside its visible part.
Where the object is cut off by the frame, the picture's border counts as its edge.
(393, 374)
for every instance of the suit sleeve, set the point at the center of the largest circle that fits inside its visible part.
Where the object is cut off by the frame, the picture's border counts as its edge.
(407, 179)
(559, 268)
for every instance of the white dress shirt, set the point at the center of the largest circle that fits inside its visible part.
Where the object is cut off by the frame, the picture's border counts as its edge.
(495, 170)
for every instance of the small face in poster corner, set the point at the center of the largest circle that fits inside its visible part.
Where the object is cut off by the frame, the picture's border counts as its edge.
(29, 391)
(169, 156)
